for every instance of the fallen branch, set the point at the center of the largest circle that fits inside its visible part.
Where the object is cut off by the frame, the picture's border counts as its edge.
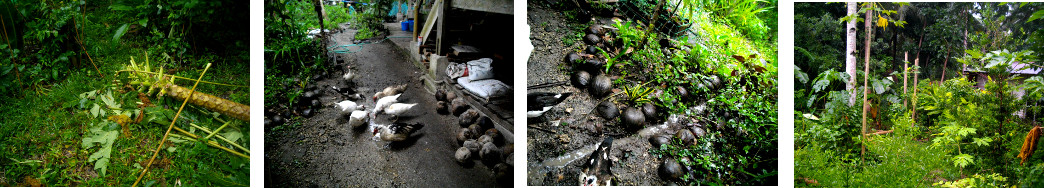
(879, 132)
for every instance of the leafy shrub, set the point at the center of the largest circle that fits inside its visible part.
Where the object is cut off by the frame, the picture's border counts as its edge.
(991, 180)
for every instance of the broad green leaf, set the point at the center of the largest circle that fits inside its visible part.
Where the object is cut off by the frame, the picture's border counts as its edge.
(102, 165)
(232, 135)
(95, 110)
(119, 32)
(176, 139)
(973, 53)
(878, 87)
(1036, 15)
(144, 22)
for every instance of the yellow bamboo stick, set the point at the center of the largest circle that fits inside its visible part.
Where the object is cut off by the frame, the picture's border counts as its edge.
(219, 137)
(146, 170)
(211, 143)
(217, 130)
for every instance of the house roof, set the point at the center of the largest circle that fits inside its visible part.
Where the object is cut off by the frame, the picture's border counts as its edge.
(1018, 67)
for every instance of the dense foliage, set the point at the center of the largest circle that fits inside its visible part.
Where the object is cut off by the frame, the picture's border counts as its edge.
(961, 131)
(72, 118)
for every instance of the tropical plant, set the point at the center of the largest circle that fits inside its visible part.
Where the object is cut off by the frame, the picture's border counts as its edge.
(637, 94)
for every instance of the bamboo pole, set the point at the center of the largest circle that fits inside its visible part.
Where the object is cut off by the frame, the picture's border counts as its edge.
(217, 130)
(176, 115)
(906, 69)
(866, 77)
(211, 143)
(220, 137)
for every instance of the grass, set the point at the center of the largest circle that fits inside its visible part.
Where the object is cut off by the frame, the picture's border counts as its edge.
(895, 161)
(41, 134)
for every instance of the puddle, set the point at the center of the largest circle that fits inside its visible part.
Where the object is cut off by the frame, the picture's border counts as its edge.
(560, 161)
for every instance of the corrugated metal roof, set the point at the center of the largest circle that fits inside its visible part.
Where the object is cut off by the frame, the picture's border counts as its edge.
(1020, 68)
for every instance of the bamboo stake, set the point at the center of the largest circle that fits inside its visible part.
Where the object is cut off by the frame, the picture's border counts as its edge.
(211, 143)
(217, 130)
(176, 115)
(866, 76)
(906, 69)
(220, 137)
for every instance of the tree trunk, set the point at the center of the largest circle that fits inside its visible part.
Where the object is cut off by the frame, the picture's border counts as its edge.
(850, 57)
(217, 104)
(866, 75)
(943, 77)
(322, 26)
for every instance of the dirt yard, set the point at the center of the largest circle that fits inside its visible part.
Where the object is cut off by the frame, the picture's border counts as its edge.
(325, 152)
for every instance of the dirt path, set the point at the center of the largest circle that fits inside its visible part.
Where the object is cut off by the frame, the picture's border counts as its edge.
(324, 152)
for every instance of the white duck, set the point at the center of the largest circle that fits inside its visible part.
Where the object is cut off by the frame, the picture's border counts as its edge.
(384, 102)
(357, 118)
(397, 109)
(348, 76)
(348, 106)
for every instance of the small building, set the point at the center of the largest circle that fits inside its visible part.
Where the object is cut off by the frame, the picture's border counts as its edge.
(1019, 73)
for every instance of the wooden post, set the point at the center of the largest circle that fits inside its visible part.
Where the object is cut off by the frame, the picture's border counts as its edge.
(914, 104)
(416, 7)
(866, 77)
(441, 18)
(906, 69)
(917, 69)
(322, 28)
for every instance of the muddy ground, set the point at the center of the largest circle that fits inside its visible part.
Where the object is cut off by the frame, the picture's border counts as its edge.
(569, 126)
(324, 152)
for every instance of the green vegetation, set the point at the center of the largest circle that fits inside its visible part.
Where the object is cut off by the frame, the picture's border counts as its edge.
(370, 21)
(73, 118)
(965, 130)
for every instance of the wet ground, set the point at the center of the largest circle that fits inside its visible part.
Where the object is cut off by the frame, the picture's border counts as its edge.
(325, 152)
(567, 129)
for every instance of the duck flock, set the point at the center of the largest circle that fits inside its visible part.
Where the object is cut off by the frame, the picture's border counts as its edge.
(477, 137)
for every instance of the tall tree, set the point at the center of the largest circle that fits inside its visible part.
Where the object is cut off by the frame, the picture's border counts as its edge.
(850, 50)
(866, 73)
